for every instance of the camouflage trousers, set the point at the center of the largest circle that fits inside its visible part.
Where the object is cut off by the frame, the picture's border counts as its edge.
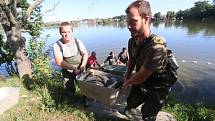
(152, 100)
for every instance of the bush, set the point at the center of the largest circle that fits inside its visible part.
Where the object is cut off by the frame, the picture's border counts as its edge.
(185, 112)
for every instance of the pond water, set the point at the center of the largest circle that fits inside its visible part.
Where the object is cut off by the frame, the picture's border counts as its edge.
(192, 42)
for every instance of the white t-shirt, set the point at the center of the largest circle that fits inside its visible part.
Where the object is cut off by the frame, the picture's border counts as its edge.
(69, 49)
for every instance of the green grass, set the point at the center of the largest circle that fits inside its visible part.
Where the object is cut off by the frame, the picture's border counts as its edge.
(44, 104)
(31, 106)
(188, 112)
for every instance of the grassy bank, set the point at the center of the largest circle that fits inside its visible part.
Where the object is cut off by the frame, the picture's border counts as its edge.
(38, 105)
(189, 112)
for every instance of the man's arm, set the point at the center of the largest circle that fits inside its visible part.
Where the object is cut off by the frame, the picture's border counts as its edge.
(84, 54)
(130, 68)
(154, 61)
(97, 63)
(107, 59)
(85, 57)
(138, 78)
(118, 57)
(127, 55)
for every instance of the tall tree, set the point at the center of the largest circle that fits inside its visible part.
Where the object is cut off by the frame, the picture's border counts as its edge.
(14, 17)
(170, 15)
(179, 15)
(201, 9)
(157, 16)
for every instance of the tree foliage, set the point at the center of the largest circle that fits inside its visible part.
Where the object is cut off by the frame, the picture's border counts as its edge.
(179, 15)
(18, 16)
(201, 10)
(170, 15)
(157, 16)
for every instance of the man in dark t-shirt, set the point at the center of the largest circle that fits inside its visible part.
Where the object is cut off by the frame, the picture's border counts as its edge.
(147, 55)
(123, 57)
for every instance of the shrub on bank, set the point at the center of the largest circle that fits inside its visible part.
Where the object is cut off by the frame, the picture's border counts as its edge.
(188, 112)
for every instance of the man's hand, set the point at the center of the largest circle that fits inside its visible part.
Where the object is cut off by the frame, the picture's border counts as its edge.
(126, 84)
(81, 69)
(77, 71)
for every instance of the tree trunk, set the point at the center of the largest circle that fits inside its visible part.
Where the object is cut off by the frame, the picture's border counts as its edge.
(17, 44)
(23, 63)
(14, 39)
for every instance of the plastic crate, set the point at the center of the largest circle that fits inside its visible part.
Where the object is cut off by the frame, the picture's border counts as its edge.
(100, 93)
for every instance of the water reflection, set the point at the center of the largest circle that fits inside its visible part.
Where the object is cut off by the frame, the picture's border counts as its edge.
(115, 24)
(207, 28)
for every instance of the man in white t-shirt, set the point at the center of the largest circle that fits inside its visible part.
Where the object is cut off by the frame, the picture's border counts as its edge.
(71, 55)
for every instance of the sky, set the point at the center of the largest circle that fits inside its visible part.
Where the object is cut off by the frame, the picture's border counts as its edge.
(67, 10)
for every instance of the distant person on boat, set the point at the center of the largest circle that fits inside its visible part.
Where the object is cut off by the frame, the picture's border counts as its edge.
(92, 61)
(111, 59)
(147, 54)
(71, 55)
(123, 57)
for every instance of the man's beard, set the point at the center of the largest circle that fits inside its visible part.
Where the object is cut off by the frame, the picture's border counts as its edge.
(137, 33)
